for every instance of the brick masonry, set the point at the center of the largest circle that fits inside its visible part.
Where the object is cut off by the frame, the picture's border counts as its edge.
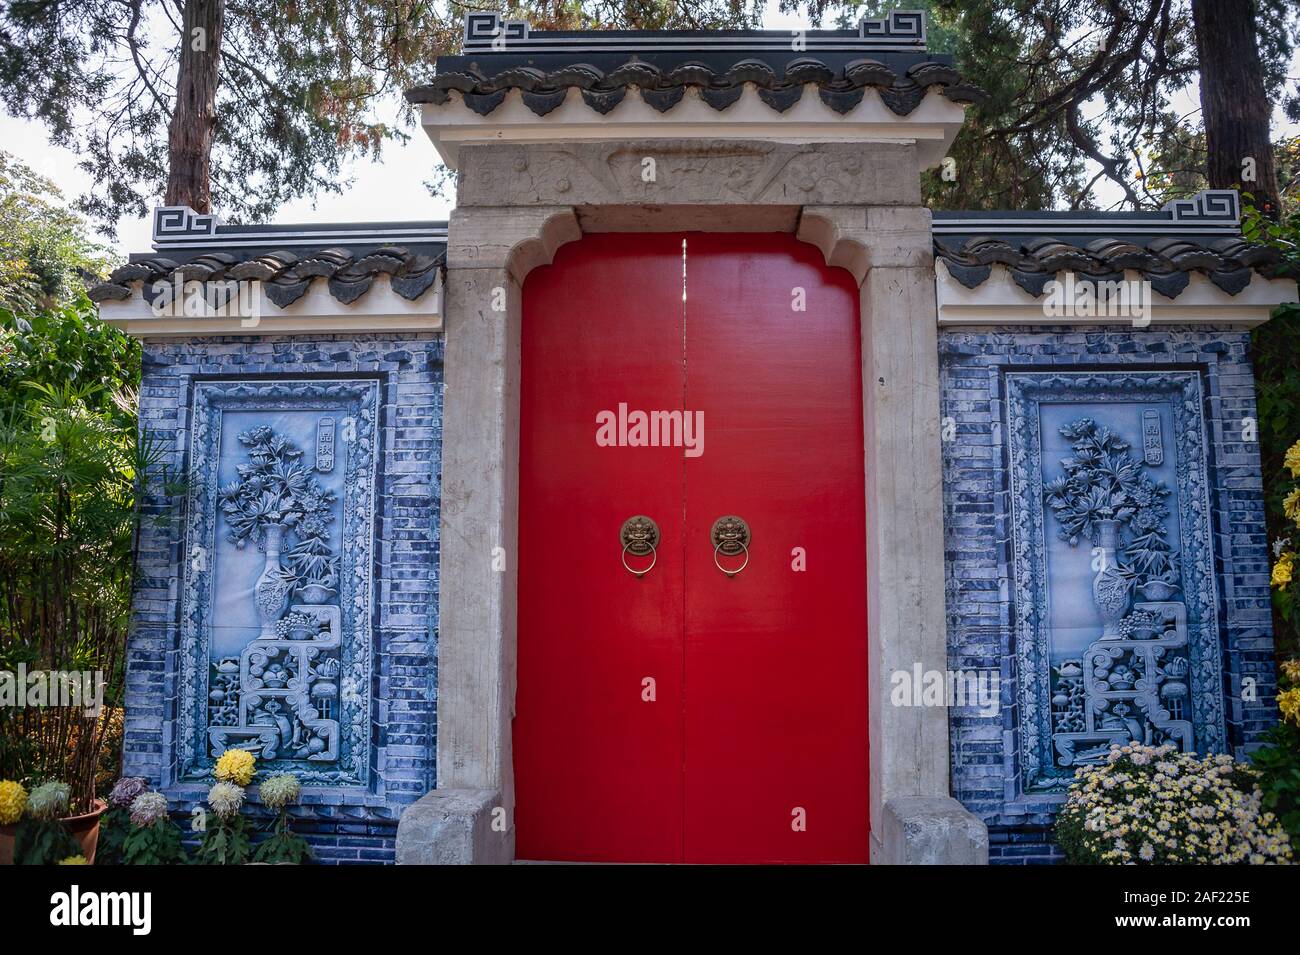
(977, 545)
(344, 826)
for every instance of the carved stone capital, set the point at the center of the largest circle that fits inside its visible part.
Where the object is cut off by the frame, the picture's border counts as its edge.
(515, 239)
(860, 239)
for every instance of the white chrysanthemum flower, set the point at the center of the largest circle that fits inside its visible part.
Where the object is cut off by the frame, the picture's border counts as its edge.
(147, 808)
(226, 799)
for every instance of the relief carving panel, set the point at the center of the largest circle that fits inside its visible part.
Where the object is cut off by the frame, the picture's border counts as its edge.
(276, 610)
(1115, 607)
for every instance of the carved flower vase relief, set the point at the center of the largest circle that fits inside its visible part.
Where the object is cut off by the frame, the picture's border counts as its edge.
(1111, 587)
(274, 495)
(271, 592)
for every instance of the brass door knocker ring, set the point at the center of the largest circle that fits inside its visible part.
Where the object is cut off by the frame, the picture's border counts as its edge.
(639, 536)
(730, 537)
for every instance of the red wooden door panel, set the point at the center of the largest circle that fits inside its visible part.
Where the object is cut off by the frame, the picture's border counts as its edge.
(755, 748)
(598, 772)
(776, 658)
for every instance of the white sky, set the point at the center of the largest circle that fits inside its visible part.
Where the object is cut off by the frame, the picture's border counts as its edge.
(387, 190)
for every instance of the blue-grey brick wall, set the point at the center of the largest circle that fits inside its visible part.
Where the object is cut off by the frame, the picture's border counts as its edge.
(344, 826)
(977, 529)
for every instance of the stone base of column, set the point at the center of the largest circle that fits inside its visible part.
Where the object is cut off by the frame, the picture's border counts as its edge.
(454, 827)
(930, 830)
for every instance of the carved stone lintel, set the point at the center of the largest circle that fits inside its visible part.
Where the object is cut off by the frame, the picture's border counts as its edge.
(688, 172)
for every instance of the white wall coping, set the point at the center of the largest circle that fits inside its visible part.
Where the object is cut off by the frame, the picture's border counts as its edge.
(378, 310)
(932, 125)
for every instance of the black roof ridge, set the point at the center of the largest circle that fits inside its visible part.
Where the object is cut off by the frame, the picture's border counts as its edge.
(1210, 212)
(180, 228)
(488, 32)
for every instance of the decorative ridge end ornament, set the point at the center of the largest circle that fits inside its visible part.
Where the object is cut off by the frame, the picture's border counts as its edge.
(1216, 205)
(170, 222)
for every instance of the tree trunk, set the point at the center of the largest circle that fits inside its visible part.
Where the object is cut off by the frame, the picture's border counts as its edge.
(1235, 109)
(189, 179)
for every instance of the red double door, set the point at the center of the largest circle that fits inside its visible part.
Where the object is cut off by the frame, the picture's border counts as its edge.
(687, 715)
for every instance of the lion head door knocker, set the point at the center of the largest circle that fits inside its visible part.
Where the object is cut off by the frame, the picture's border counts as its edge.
(639, 536)
(730, 537)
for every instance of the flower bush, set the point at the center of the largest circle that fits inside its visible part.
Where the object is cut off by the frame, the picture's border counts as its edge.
(226, 842)
(280, 791)
(148, 808)
(153, 838)
(41, 837)
(284, 846)
(226, 799)
(115, 823)
(13, 800)
(236, 766)
(125, 791)
(1285, 547)
(1154, 805)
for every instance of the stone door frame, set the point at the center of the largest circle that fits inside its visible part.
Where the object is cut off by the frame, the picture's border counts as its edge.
(860, 204)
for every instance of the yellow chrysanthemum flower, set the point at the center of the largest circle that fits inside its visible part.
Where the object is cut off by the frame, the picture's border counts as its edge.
(13, 800)
(1291, 505)
(236, 766)
(74, 860)
(1291, 670)
(1282, 570)
(1289, 704)
(1292, 459)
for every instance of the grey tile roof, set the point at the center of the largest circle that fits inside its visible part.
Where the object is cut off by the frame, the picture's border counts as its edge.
(1198, 234)
(1166, 262)
(285, 275)
(285, 258)
(887, 55)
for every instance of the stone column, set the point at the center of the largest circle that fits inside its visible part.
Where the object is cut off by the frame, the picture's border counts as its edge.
(469, 817)
(914, 819)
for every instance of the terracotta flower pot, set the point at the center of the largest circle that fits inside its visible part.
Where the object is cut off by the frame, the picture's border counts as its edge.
(7, 844)
(85, 829)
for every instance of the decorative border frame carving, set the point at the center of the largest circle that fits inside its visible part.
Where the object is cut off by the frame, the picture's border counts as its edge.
(1183, 392)
(358, 397)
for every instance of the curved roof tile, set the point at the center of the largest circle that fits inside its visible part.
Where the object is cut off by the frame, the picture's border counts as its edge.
(1166, 261)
